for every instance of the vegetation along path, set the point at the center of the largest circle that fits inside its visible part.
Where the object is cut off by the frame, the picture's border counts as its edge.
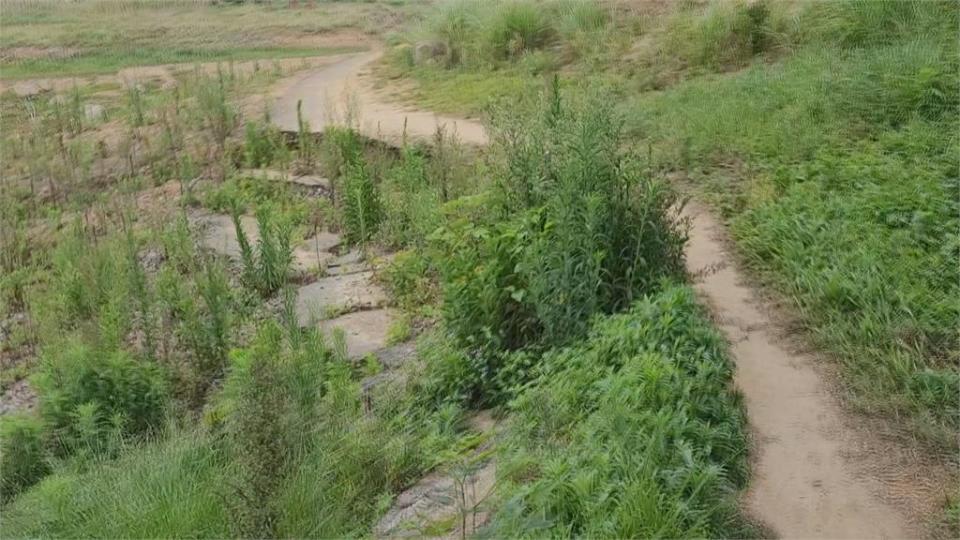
(805, 483)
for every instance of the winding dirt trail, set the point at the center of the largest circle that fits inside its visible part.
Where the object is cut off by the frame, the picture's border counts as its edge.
(806, 481)
(341, 94)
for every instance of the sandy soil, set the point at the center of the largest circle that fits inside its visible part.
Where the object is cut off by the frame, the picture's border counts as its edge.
(813, 475)
(804, 483)
(342, 94)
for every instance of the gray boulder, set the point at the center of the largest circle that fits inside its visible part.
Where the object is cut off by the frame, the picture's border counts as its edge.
(428, 51)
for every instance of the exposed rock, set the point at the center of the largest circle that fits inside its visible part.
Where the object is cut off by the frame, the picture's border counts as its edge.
(454, 497)
(322, 241)
(426, 51)
(31, 88)
(350, 263)
(336, 293)
(364, 331)
(19, 397)
(306, 180)
(150, 260)
(397, 355)
(220, 236)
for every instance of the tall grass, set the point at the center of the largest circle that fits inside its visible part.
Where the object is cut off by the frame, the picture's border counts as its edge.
(265, 269)
(845, 161)
(24, 459)
(585, 232)
(287, 449)
(480, 34)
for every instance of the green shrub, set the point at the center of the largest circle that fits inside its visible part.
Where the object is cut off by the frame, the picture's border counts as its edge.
(517, 27)
(411, 280)
(263, 145)
(410, 204)
(455, 25)
(266, 269)
(210, 329)
(721, 35)
(633, 432)
(219, 116)
(81, 387)
(587, 232)
(23, 458)
(357, 193)
(258, 438)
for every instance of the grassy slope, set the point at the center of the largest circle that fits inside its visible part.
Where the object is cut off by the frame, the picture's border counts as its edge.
(825, 133)
(49, 39)
(571, 445)
(308, 460)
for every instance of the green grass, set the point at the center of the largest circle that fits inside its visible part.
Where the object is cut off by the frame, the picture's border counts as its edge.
(86, 38)
(466, 92)
(825, 133)
(101, 62)
(632, 432)
(841, 195)
(160, 489)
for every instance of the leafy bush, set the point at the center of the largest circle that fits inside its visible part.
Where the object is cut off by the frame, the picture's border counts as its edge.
(410, 279)
(587, 233)
(517, 27)
(631, 433)
(83, 391)
(263, 145)
(23, 459)
(246, 192)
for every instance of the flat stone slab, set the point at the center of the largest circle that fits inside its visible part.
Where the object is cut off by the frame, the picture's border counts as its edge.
(437, 498)
(220, 236)
(307, 180)
(349, 263)
(20, 396)
(395, 356)
(365, 332)
(322, 241)
(335, 293)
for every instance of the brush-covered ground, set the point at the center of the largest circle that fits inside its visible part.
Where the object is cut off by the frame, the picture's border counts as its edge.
(158, 385)
(825, 132)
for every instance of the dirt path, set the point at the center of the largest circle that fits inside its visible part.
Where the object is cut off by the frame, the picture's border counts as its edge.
(806, 481)
(802, 485)
(341, 94)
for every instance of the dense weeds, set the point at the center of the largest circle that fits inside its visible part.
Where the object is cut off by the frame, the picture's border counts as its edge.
(183, 372)
(824, 132)
(542, 277)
